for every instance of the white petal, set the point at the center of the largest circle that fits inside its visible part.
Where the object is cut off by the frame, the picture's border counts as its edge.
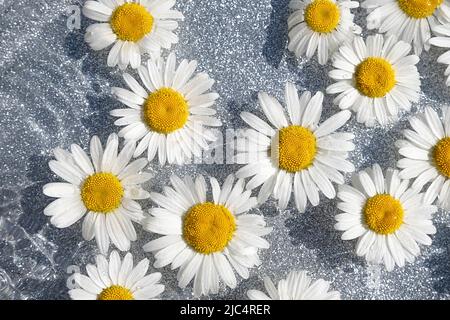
(322, 182)
(224, 269)
(149, 292)
(110, 154)
(88, 228)
(299, 193)
(293, 103)
(125, 269)
(96, 151)
(123, 157)
(134, 85)
(80, 294)
(103, 269)
(440, 42)
(81, 159)
(188, 272)
(333, 123)
(116, 233)
(367, 183)
(87, 284)
(64, 219)
(313, 111)
(310, 188)
(114, 266)
(101, 235)
(161, 243)
(257, 124)
(137, 273)
(273, 110)
(146, 281)
(60, 189)
(97, 11)
(66, 172)
(354, 232)
(257, 295)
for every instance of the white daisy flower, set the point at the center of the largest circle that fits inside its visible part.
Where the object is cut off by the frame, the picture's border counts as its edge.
(169, 116)
(133, 26)
(387, 217)
(206, 239)
(298, 155)
(375, 79)
(117, 280)
(409, 20)
(105, 186)
(443, 40)
(426, 153)
(297, 286)
(321, 25)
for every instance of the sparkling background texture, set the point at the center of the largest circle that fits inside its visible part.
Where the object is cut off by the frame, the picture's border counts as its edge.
(55, 91)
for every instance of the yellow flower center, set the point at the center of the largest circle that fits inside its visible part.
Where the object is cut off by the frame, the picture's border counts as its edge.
(322, 16)
(419, 9)
(131, 22)
(383, 214)
(165, 111)
(115, 293)
(374, 77)
(296, 148)
(208, 227)
(441, 156)
(102, 192)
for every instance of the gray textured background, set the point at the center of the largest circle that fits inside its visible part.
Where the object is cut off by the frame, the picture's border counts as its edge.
(54, 91)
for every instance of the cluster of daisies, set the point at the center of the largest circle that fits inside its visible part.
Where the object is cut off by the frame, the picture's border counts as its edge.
(205, 228)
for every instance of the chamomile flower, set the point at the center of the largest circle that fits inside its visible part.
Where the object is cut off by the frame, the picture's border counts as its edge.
(297, 154)
(116, 279)
(133, 26)
(206, 238)
(103, 187)
(409, 20)
(169, 116)
(387, 217)
(375, 79)
(320, 25)
(443, 40)
(297, 286)
(426, 153)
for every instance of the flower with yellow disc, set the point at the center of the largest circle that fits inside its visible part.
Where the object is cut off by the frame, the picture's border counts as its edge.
(171, 115)
(103, 188)
(375, 78)
(409, 20)
(387, 217)
(426, 152)
(206, 238)
(116, 279)
(133, 26)
(320, 25)
(295, 154)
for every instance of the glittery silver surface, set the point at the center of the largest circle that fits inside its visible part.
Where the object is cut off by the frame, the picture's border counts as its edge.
(54, 91)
